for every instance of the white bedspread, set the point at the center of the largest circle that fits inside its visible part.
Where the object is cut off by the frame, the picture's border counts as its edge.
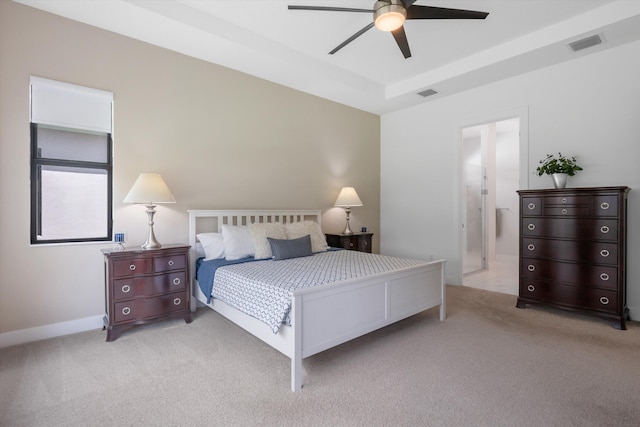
(262, 288)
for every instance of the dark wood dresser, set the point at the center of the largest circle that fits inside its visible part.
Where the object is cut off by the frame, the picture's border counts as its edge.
(572, 250)
(355, 242)
(143, 286)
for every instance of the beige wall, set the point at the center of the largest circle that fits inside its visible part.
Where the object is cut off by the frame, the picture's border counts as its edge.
(220, 138)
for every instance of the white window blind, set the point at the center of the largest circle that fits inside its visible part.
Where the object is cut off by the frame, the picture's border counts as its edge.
(66, 105)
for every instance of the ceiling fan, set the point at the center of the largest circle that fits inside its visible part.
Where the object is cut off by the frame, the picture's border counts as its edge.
(389, 15)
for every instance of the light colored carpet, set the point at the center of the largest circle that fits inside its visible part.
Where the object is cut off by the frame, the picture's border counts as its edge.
(488, 364)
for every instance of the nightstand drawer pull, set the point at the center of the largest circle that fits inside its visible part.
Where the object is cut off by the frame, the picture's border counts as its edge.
(604, 253)
(604, 300)
(126, 311)
(531, 288)
(531, 267)
(531, 227)
(604, 205)
(604, 229)
(177, 301)
(176, 280)
(564, 200)
(170, 263)
(350, 244)
(132, 267)
(531, 206)
(531, 247)
(604, 276)
(126, 289)
(564, 211)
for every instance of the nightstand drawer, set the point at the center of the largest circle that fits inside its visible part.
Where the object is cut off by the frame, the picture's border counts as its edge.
(148, 286)
(145, 308)
(167, 263)
(130, 267)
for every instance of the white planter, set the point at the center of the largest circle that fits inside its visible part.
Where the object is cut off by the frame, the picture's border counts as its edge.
(559, 180)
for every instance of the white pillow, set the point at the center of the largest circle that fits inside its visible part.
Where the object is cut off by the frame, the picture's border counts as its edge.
(237, 242)
(300, 229)
(259, 234)
(213, 245)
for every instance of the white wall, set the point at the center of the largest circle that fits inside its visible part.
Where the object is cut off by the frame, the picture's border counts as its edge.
(589, 107)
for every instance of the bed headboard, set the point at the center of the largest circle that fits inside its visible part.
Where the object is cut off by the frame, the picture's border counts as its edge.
(202, 221)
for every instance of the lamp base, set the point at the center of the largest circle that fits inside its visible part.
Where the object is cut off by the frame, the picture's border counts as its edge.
(347, 229)
(151, 242)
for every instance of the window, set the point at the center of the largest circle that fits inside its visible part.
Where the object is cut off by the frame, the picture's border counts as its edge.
(71, 163)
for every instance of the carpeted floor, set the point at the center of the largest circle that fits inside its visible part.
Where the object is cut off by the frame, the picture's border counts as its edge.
(488, 364)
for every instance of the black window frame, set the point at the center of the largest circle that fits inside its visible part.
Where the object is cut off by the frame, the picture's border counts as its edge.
(36, 188)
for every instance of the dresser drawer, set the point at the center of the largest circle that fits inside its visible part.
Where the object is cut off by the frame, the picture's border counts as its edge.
(531, 206)
(571, 228)
(129, 267)
(566, 200)
(572, 273)
(134, 287)
(591, 252)
(144, 308)
(167, 263)
(566, 210)
(606, 205)
(571, 296)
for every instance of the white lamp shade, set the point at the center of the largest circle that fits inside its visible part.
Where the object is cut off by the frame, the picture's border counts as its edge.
(149, 189)
(347, 198)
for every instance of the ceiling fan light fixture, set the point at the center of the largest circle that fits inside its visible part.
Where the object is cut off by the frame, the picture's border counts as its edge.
(389, 15)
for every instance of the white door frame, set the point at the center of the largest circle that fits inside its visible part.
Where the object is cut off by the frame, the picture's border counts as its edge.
(523, 114)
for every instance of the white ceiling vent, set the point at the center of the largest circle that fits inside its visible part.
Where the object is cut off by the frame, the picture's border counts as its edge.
(585, 42)
(427, 92)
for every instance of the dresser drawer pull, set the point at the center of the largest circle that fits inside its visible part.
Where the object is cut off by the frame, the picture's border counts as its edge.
(531, 247)
(126, 311)
(564, 200)
(604, 253)
(132, 267)
(176, 280)
(531, 226)
(604, 205)
(177, 301)
(604, 300)
(126, 289)
(531, 206)
(564, 211)
(350, 244)
(604, 229)
(531, 288)
(170, 263)
(531, 267)
(604, 276)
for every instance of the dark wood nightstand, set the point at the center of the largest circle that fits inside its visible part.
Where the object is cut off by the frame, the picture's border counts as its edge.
(355, 242)
(145, 285)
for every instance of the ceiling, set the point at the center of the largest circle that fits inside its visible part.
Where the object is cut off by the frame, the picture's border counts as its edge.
(290, 47)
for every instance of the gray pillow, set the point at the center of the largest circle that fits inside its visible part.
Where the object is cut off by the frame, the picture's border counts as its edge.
(291, 248)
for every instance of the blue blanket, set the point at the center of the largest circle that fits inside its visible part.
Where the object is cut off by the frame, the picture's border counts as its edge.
(206, 271)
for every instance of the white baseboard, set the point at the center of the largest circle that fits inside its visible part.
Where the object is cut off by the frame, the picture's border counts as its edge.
(50, 331)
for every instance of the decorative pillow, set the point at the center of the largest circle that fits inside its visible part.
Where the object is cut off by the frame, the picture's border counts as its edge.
(312, 228)
(292, 248)
(237, 242)
(259, 234)
(213, 245)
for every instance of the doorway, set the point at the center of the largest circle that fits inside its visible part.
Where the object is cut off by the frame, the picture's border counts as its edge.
(490, 205)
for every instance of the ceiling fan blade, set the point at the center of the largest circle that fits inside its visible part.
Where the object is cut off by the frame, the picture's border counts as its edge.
(352, 38)
(401, 39)
(329, 9)
(430, 12)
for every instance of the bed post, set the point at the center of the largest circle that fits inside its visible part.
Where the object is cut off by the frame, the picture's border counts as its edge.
(296, 357)
(443, 292)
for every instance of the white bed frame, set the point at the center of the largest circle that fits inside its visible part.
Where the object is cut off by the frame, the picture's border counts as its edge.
(326, 316)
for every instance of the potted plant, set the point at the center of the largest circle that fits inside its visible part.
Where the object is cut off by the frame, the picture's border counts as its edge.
(559, 168)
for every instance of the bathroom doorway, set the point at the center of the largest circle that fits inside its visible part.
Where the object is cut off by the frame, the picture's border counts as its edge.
(490, 179)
